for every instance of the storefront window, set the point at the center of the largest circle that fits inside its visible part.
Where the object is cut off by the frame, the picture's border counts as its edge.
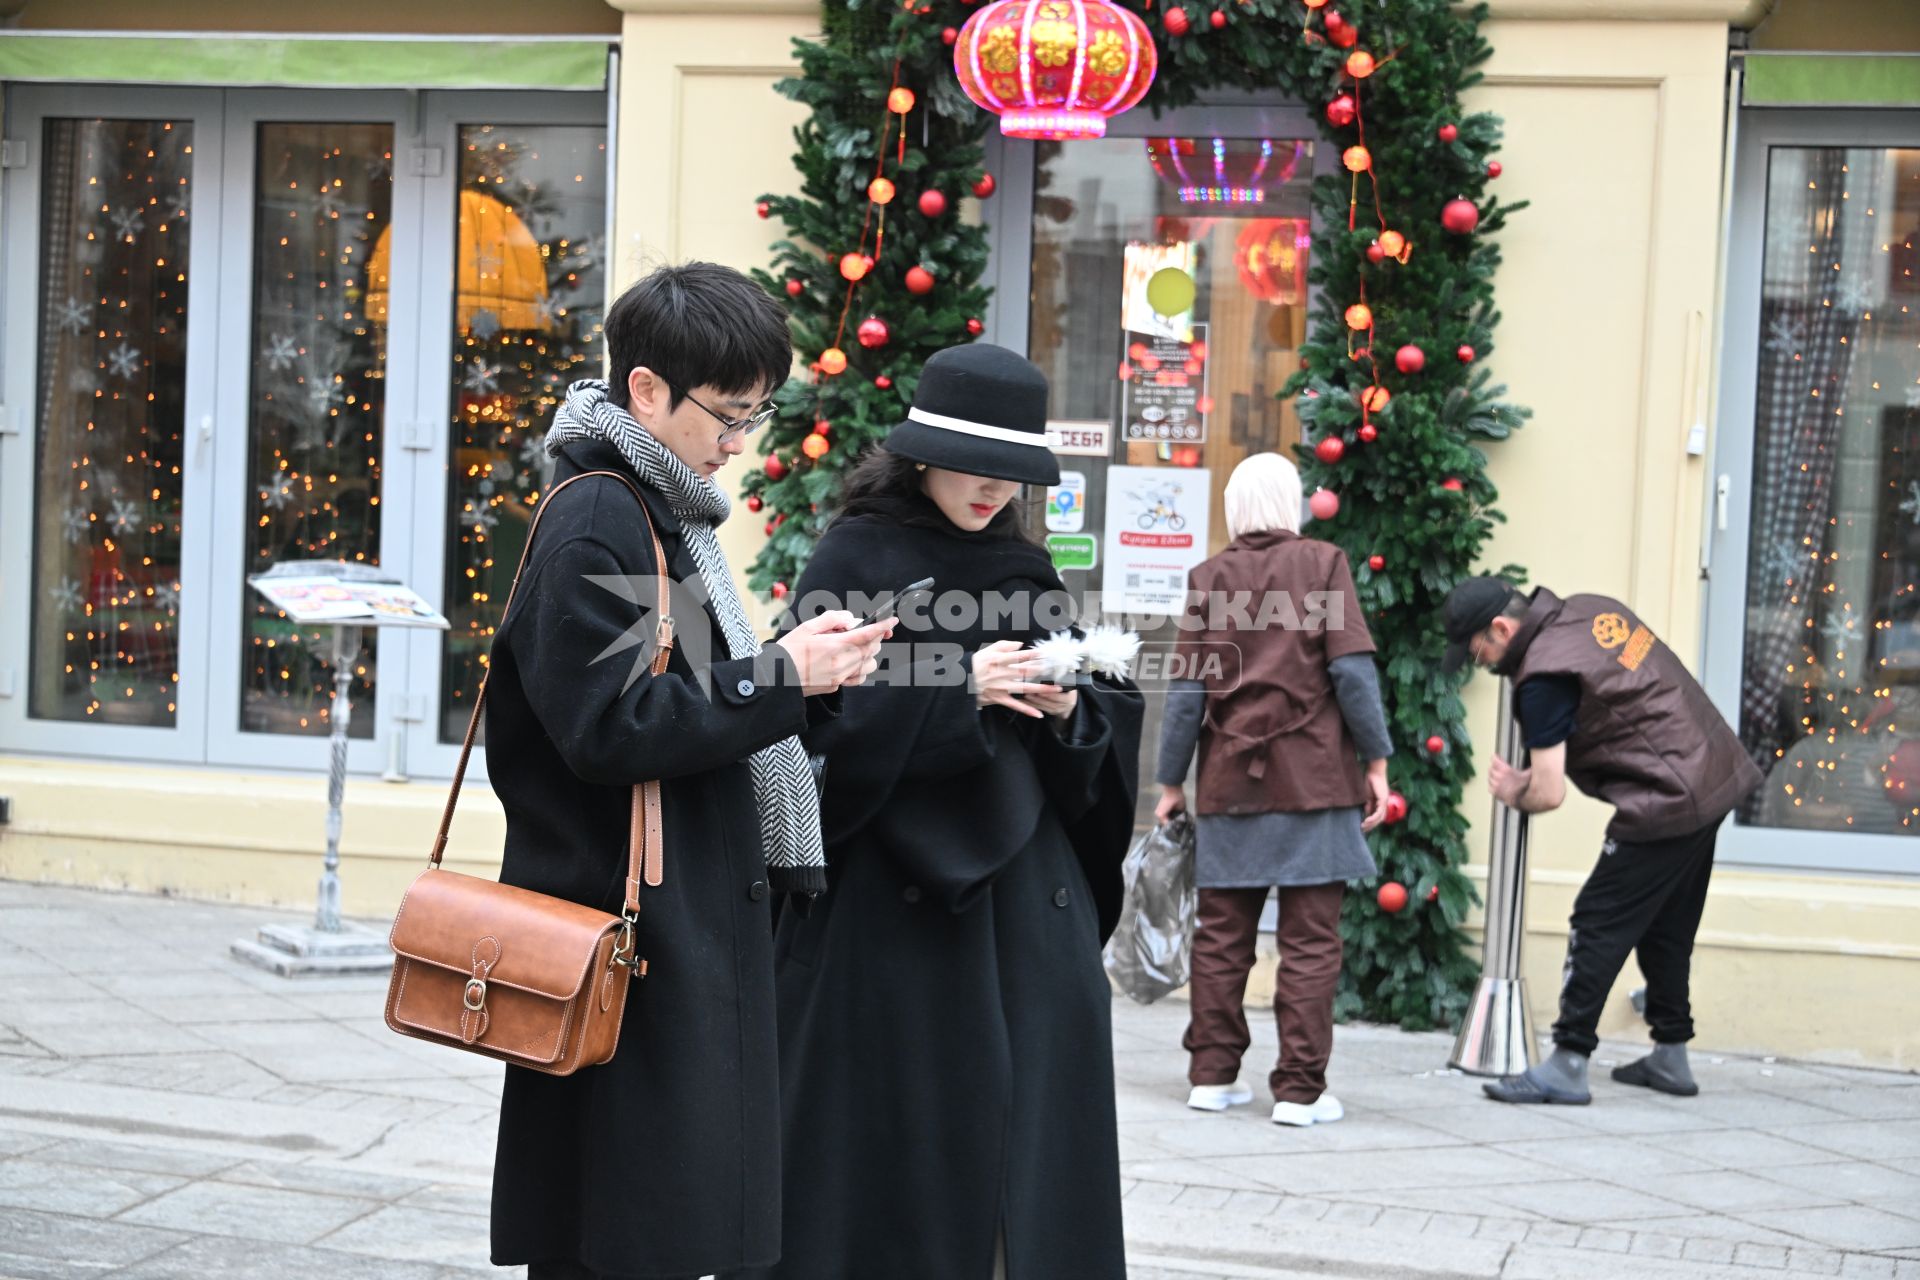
(323, 198)
(1169, 304)
(1830, 677)
(532, 219)
(112, 338)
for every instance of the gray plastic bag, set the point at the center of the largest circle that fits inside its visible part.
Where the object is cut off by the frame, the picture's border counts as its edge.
(1149, 953)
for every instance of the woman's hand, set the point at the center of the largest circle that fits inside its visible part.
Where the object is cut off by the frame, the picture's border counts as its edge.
(1172, 801)
(1058, 705)
(1377, 791)
(1000, 678)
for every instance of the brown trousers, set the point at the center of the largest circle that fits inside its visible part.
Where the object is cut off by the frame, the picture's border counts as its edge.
(1309, 972)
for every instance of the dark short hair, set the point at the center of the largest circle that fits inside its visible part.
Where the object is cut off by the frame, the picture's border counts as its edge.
(698, 324)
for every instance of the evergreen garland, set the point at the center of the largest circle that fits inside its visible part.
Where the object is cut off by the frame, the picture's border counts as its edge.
(1410, 966)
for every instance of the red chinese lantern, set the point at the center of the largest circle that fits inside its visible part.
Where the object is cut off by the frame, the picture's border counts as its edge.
(900, 101)
(853, 265)
(1375, 398)
(1055, 71)
(833, 361)
(880, 191)
(815, 447)
(1271, 259)
(1360, 64)
(1393, 244)
(1357, 159)
(1359, 317)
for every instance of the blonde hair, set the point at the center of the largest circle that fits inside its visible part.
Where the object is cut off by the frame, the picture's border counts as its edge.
(1263, 493)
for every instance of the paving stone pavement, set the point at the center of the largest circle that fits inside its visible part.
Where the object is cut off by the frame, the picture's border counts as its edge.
(167, 1112)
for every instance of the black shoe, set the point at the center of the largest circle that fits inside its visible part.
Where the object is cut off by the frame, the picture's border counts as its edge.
(1525, 1089)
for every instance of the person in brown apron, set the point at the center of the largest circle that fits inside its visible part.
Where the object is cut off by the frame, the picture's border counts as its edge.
(1604, 704)
(1285, 707)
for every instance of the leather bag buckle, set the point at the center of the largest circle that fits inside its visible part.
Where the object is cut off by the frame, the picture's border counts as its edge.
(475, 998)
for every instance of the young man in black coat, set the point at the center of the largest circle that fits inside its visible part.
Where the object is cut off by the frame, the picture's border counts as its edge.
(665, 1161)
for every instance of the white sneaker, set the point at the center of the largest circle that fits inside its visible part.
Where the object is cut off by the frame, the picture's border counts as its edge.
(1322, 1110)
(1218, 1097)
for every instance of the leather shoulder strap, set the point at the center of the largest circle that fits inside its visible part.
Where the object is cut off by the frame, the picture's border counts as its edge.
(646, 851)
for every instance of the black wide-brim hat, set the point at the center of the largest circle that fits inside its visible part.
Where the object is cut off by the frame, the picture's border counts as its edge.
(980, 409)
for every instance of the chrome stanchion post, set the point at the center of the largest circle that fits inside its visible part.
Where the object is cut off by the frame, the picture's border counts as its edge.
(1496, 1037)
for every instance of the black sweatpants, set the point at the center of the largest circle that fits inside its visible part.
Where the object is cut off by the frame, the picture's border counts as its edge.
(1644, 897)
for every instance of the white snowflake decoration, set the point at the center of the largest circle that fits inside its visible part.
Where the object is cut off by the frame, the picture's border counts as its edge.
(78, 522)
(167, 596)
(1788, 558)
(276, 494)
(126, 517)
(128, 223)
(1841, 630)
(1785, 336)
(485, 324)
(1854, 297)
(83, 380)
(178, 208)
(549, 309)
(1912, 503)
(1912, 395)
(487, 262)
(380, 167)
(73, 315)
(325, 393)
(329, 203)
(533, 451)
(477, 520)
(69, 596)
(482, 377)
(281, 352)
(124, 361)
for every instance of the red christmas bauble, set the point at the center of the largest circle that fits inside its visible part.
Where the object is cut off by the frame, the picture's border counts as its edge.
(775, 469)
(1330, 449)
(769, 529)
(1341, 111)
(1375, 253)
(1433, 894)
(1493, 169)
(779, 591)
(1392, 897)
(794, 288)
(1409, 359)
(933, 203)
(1340, 31)
(1176, 20)
(1325, 504)
(1464, 353)
(1219, 19)
(950, 35)
(975, 327)
(754, 502)
(919, 280)
(822, 427)
(883, 382)
(1452, 485)
(1448, 132)
(873, 332)
(1368, 433)
(986, 186)
(1436, 744)
(1396, 807)
(1460, 216)
(764, 209)
(1376, 563)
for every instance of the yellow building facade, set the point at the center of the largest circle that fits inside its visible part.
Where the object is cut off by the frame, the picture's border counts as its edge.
(1632, 295)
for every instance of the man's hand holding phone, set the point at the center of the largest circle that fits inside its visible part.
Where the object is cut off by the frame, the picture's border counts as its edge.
(835, 650)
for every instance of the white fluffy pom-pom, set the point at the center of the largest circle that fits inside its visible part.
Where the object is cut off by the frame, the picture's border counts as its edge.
(1110, 651)
(1060, 655)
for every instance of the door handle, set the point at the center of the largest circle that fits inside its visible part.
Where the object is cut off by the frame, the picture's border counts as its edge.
(1722, 487)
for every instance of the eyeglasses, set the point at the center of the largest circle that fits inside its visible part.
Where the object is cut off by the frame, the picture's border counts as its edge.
(740, 428)
(1473, 645)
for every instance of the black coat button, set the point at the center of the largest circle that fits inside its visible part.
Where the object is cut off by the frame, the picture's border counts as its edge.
(745, 688)
(1060, 898)
(911, 893)
(757, 890)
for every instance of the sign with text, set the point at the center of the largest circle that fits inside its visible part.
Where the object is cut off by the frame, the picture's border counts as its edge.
(1067, 503)
(1156, 532)
(1164, 396)
(1092, 438)
(1073, 550)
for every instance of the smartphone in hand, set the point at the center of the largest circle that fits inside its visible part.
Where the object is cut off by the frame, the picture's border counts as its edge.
(890, 606)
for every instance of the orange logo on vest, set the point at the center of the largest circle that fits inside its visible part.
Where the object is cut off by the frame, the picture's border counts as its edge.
(1610, 630)
(1637, 649)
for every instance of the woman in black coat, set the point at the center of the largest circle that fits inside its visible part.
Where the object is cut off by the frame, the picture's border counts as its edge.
(663, 1162)
(945, 1039)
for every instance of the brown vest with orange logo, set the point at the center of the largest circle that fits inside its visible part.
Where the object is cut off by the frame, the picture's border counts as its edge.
(1649, 742)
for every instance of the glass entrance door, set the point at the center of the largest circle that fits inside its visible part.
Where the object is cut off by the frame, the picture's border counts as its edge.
(243, 309)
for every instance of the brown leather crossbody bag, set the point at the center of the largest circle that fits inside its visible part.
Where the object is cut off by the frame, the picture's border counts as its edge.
(533, 980)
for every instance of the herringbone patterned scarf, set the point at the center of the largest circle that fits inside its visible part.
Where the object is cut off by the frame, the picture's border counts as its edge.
(783, 786)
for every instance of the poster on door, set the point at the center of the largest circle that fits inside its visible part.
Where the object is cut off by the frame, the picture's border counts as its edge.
(1156, 532)
(1067, 503)
(1164, 395)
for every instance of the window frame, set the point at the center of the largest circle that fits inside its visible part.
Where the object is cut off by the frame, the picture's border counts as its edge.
(1729, 519)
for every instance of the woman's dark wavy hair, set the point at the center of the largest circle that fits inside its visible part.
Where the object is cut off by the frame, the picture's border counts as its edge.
(886, 485)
